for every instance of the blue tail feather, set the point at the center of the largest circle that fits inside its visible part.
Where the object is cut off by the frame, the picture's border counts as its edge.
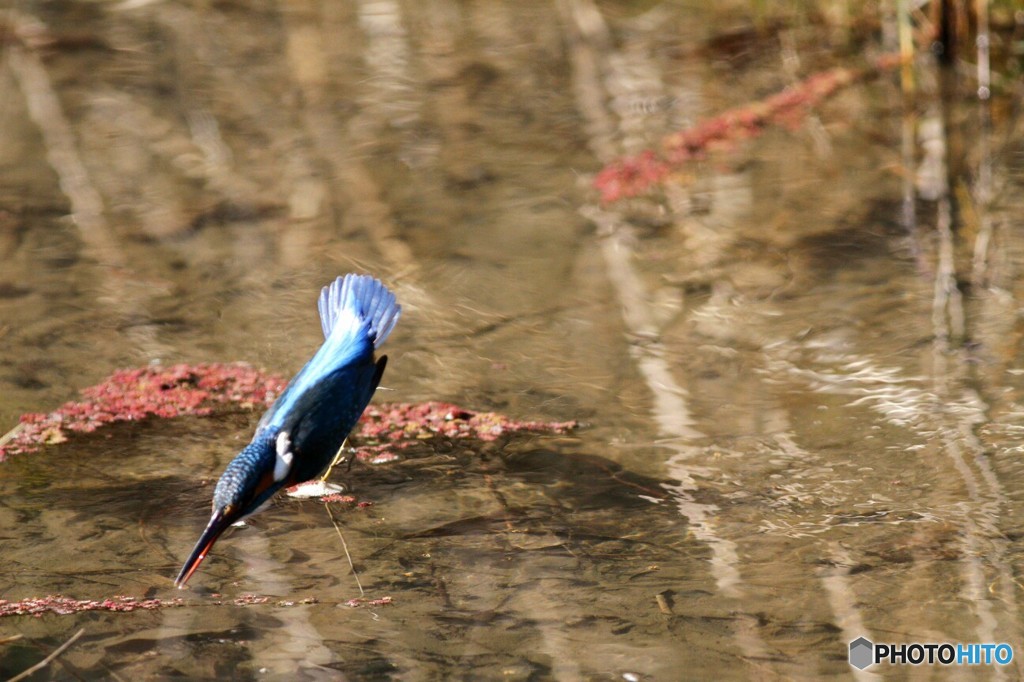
(367, 298)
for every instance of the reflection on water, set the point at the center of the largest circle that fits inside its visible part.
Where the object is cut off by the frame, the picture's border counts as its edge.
(797, 361)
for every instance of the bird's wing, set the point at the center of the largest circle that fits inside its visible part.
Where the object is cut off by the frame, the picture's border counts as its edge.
(321, 418)
(332, 371)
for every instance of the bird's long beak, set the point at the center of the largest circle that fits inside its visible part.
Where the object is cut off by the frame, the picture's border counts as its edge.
(218, 523)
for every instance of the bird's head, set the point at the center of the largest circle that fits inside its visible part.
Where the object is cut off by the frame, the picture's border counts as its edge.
(259, 471)
(219, 522)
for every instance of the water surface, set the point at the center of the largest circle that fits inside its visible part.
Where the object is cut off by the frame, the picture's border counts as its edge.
(797, 363)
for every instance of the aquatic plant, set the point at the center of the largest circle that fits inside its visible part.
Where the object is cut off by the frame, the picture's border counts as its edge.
(165, 392)
(634, 175)
(388, 428)
(135, 394)
(63, 606)
(361, 602)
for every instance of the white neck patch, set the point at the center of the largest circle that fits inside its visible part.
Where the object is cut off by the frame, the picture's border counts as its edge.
(283, 462)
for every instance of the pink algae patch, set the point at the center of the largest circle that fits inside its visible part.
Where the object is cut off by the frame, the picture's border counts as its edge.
(154, 391)
(634, 175)
(347, 500)
(417, 421)
(63, 606)
(247, 600)
(66, 606)
(360, 602)
(391, 427)
(179, 390)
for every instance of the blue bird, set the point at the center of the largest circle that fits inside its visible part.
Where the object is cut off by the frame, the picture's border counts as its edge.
(306, 427)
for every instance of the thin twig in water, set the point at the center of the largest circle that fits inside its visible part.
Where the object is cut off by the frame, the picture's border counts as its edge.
(339, 456)
(344, 546)
(49, 659)
(6, 438)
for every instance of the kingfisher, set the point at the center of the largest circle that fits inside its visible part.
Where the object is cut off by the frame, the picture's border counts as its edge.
(305, 429)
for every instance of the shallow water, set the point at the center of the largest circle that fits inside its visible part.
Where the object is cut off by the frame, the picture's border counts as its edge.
(796, 365)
